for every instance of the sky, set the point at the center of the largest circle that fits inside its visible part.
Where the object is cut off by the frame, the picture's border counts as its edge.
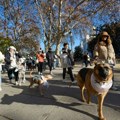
(76, 37)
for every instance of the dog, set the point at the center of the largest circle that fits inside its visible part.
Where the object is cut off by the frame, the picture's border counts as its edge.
(41, 81)
(96, 81)
(22, 69)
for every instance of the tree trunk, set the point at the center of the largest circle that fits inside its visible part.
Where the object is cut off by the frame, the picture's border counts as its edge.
(57, 51)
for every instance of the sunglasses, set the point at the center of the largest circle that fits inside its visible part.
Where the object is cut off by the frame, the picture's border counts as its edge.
(104, 36)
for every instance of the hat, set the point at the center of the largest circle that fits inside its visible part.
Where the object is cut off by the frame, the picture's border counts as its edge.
(105, 34)
(12, 47)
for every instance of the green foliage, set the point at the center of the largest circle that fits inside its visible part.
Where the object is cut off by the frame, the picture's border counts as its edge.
(4, 44)
(78, 53)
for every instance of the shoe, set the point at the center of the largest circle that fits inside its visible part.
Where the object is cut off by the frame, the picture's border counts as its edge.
(19, 84)
(64, 80)
(0, 89)
(23, 81)
(114, 88)
(10, 81)
(74, 81)
(16, 83)
(51, 73)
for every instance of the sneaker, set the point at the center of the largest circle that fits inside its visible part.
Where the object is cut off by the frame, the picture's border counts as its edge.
(23, 81)
(40, 73)
(64, 80)
(114, 88)
(10, 81)
(51, 73)
(19, 84)
(16, 83)
(74, 81)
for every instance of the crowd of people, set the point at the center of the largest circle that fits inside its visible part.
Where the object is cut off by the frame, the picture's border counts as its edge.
(16, 65)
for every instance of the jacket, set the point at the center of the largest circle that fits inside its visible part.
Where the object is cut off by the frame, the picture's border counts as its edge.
(40, 57)
(104, 51)
(11, 63)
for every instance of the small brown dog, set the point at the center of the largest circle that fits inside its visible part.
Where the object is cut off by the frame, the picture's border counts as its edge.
(41, 81)
(96, 81)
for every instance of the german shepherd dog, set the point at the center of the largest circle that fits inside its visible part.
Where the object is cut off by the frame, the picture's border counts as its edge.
(96, 81)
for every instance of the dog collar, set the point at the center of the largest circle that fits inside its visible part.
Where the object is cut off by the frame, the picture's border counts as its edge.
(100, 87)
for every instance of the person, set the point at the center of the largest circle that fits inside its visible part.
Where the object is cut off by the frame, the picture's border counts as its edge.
(50, 59)
(11, 58)
(67, 62)
(40, 58)
(55, 62)
(85, 59)
(104, 51)
(1, 61)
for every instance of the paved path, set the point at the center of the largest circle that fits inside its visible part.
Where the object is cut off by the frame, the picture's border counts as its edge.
(59, 103)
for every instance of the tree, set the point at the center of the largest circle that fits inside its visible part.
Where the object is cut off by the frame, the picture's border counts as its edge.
(4, 44)
(78, 53)
(53, 20)
(17, 21)
(60, 18)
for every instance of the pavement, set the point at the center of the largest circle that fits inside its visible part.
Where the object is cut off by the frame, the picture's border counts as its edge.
(61, 102)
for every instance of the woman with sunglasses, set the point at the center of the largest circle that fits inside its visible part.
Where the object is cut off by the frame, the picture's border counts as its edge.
(104, 51)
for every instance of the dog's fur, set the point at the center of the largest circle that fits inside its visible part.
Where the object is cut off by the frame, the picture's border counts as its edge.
(103, 74)
(22, 70)
(40, 80)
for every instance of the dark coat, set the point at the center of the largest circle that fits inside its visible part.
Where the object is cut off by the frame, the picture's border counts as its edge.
(50, 56)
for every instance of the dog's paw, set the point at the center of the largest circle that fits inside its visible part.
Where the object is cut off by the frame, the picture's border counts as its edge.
(83, 100)
(88, 102)
(102, 118)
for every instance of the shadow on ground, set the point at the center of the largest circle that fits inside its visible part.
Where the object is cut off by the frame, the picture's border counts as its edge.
(58, 88)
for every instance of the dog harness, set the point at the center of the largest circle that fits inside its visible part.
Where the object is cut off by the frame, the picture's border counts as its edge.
(40, 77)
(100, 87)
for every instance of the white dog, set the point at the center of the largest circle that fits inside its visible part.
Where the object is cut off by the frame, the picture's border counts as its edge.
(22, 70)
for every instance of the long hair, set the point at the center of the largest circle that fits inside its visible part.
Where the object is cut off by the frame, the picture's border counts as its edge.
(104, 33)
